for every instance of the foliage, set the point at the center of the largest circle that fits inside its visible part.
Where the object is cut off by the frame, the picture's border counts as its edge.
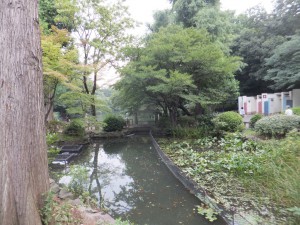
(228, 122)
(52, 153)
(254, 119)
(177, 68)
(277, 125)
(74, 128)
(100, 27)
(57, 212)
(51, 140)
(59, 64)
(46, 211)
(185, 11)
(189, 132)
(268, 44)
(209, 213)
(205, 120)
(113, 123)
(79, 180)
(47, 13)
(54, 126)
(296, 111)
(284, 65)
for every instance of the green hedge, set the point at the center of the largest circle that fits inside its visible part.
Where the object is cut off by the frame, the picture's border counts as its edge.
(277, 125)
(113, 123)
(254, 119)
(228, 122)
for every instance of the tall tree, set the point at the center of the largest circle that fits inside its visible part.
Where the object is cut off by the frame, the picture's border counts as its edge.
(179, 66)
(284, 65)
(60, 60)
(23, 162)
(263, 37)
(101, 30)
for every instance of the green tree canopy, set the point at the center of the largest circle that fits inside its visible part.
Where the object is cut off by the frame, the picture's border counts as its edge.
(284, 65)
(179, 66)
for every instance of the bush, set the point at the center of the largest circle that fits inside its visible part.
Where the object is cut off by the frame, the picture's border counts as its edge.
(228, 122)
(296, 111)
(254, 119)
(113, 123)
(74, 128)
(277, 125)
(206, 120)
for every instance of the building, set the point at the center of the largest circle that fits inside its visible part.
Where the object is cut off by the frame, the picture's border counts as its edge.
(268, 104)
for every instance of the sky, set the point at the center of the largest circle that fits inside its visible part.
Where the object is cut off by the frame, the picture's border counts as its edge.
(142, 11)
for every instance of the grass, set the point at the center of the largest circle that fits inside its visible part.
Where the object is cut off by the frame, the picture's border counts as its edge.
(280, 177)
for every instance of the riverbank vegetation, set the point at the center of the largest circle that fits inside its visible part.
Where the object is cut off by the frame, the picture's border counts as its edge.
(258, 178)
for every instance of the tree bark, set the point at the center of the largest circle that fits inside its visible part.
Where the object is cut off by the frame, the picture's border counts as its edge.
(23, 156)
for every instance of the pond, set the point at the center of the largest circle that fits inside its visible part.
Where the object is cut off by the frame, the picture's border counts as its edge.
(132, 182)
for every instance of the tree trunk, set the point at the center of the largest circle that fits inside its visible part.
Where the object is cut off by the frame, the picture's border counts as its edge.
(93, 109)
(49, 104)
(173, 116)
(23, 156)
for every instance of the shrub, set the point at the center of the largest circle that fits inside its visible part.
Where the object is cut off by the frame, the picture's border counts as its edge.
(52, 138)
(277, 125)
(228, 122)
(254, 119)
(206, 120)
(74, 128)
(113, 123)
(296, 111)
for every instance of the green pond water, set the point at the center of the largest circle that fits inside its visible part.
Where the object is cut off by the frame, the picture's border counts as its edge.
(132, 182)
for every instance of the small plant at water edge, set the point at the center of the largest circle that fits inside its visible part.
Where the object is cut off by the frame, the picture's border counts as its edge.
(79, 180)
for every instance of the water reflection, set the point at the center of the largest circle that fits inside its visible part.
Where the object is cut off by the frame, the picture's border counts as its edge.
(128, 178)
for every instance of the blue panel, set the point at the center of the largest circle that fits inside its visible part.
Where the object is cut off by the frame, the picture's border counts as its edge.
(284, 103)
(266, 108)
